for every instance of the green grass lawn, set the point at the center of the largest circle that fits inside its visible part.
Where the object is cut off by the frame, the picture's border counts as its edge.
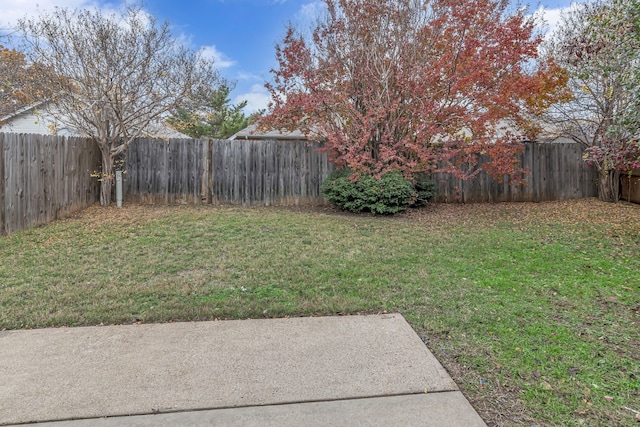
(533, 308)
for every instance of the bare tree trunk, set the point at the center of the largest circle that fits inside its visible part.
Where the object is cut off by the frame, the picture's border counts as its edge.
(609, 186)
(106, 184)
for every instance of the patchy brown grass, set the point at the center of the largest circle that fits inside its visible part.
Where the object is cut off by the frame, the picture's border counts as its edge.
(532, 308)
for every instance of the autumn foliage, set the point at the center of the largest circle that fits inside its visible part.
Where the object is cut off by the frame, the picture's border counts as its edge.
(415, 86)
(20, 83)
(598, 44)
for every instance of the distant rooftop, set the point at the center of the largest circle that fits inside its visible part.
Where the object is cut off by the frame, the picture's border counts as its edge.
(39, 124)
(252, 132)
(548, 135)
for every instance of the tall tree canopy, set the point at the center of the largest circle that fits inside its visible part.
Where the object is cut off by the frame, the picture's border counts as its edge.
(598, 44)
(414, 85)
(210, 115)
(116, 75)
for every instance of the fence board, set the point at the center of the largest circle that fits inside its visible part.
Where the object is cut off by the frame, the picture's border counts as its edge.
(630, 186)
(556, 172)
(43, 178)
(2, 187)
(159, 171)
(239, 172)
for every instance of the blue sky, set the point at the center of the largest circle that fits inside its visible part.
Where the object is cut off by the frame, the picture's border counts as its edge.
(244, 33)
(239, 34)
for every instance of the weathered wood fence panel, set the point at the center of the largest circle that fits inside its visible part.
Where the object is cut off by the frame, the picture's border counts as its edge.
(630, 186)
(3, 225)
(43, 178)
(222, 171)
(291, 173)
(267, 172)
(557, 172)
(164, 171)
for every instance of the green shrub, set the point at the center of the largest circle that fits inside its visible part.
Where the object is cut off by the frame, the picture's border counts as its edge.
(390, 194)
(426, 189)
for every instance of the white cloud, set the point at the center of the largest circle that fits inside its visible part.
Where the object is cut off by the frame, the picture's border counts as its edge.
(220, 60)
(257, 98)
(310, 12)
(552, 16)
(13, 10)
(184, 39)
(549, 19)
(242, 75)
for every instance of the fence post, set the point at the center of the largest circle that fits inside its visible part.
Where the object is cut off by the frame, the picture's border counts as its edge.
(209, 183)
(205, 194)
(2, 187)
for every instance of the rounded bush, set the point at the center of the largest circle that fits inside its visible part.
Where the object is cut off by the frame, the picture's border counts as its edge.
(390, 194)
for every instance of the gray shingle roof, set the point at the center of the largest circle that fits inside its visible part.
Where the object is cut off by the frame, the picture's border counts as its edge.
(251, 132)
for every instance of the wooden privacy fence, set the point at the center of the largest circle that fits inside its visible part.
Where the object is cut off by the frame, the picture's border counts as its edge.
(557, 172)
(291, 173)
(43, 178)
(224, 171)
(630, 186)
(164, 171)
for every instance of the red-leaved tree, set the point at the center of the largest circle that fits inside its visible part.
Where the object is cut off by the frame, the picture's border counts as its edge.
(414, 85)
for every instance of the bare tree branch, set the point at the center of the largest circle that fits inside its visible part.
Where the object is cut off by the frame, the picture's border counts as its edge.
(115, 75)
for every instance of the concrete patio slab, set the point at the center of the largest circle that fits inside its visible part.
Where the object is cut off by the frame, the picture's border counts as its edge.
(449, 409)
(109, 371)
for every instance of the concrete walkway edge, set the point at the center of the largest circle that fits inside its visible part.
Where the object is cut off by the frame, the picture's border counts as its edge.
(369, 370)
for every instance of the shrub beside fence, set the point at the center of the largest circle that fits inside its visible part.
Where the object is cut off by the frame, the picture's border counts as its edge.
(43, 178)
